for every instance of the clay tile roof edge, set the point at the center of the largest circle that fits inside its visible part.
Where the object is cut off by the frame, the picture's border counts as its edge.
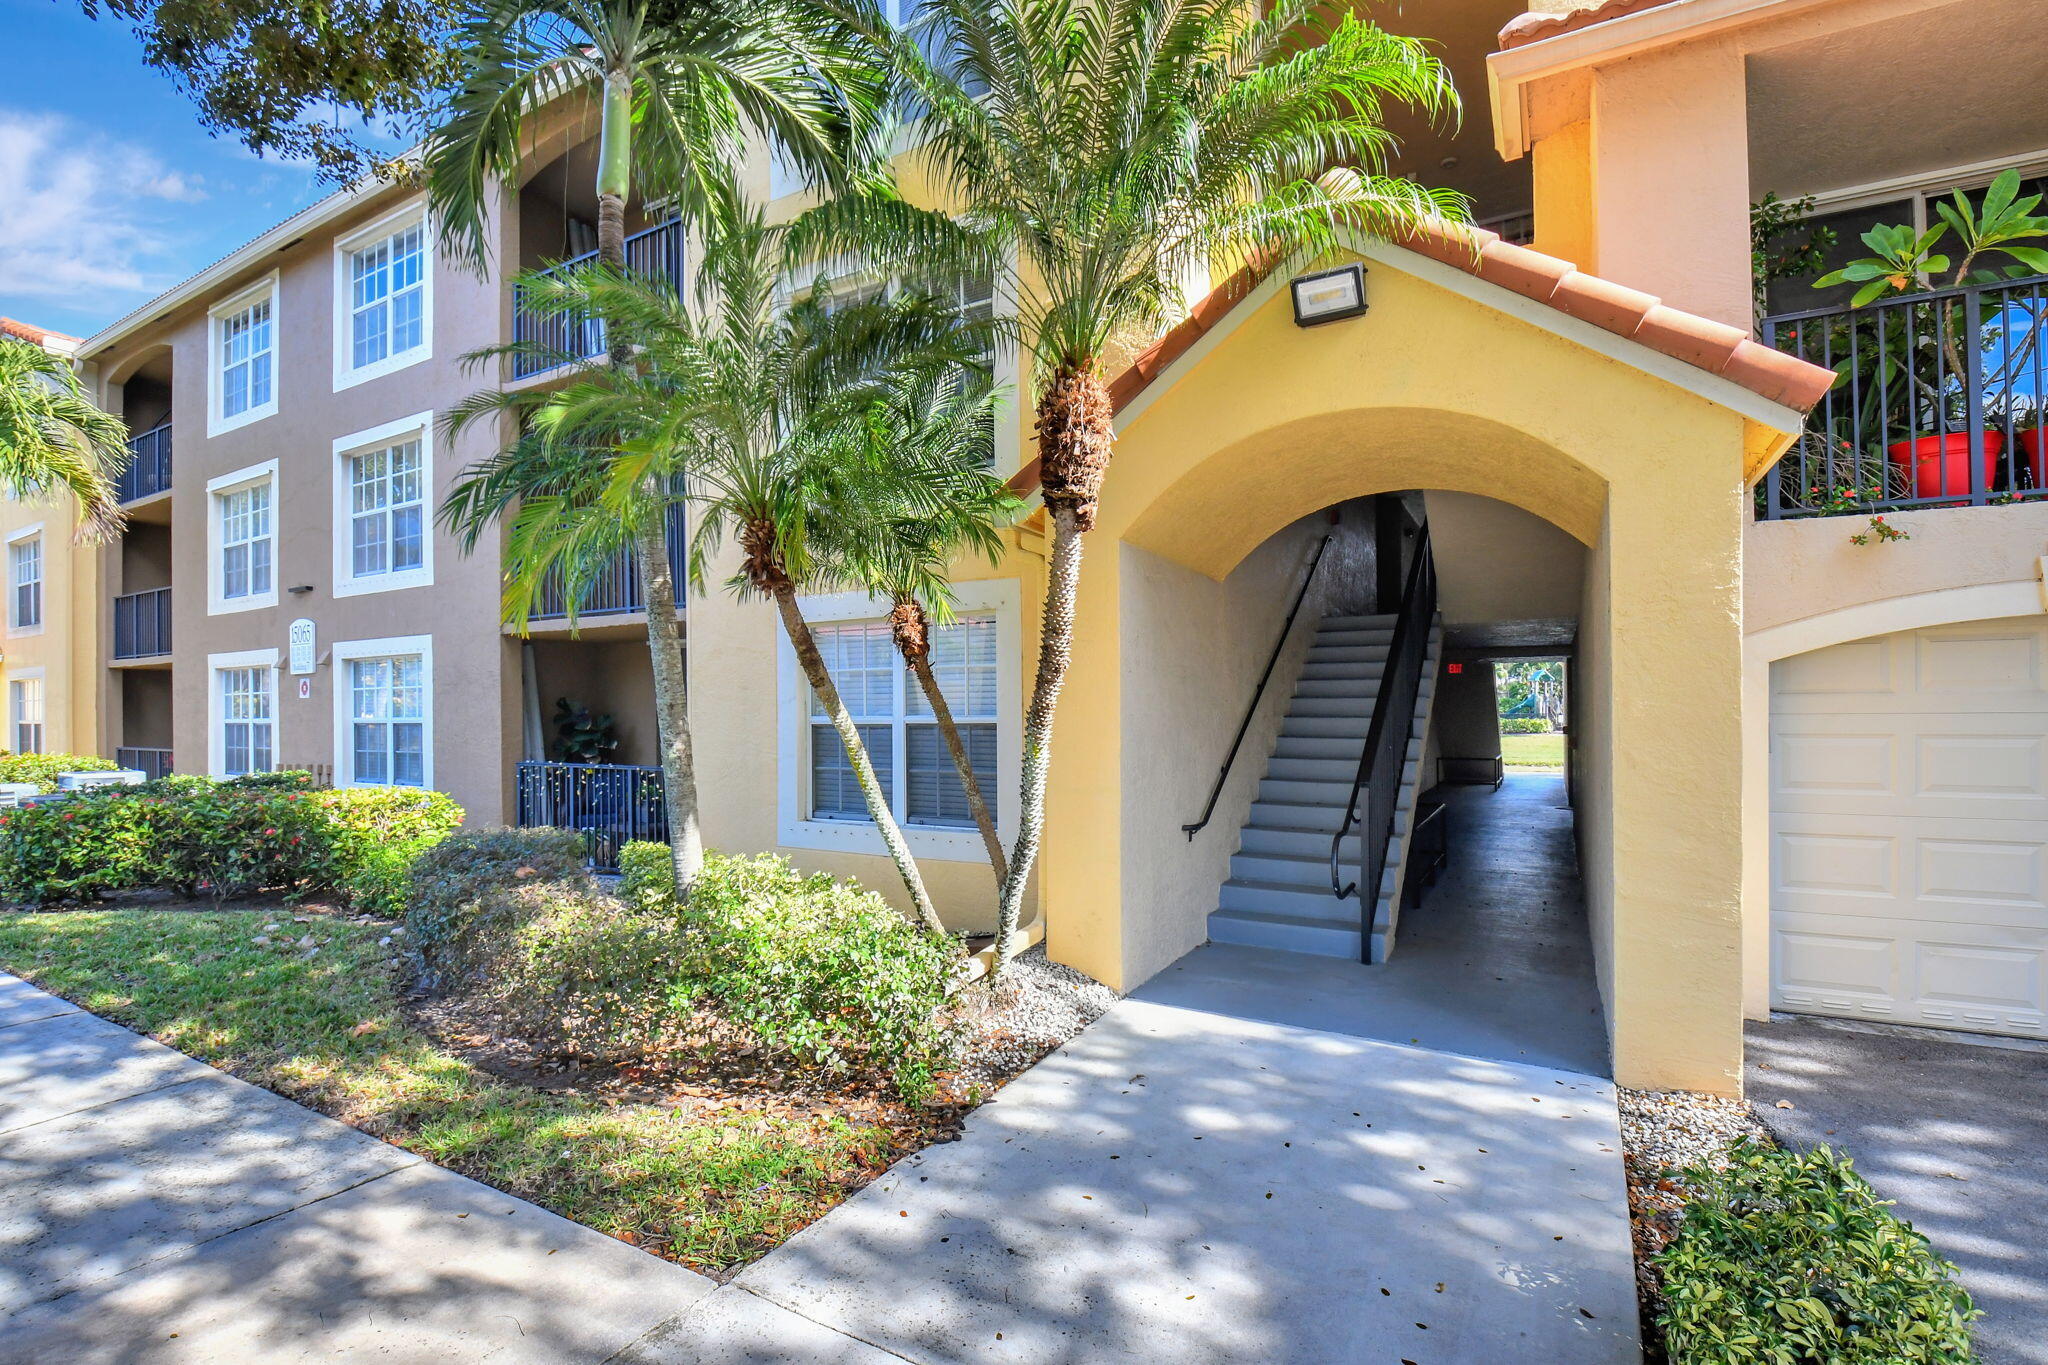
(1534, 28)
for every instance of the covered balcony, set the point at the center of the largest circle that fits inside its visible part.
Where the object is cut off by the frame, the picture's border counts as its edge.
(617, 591)
(142, 625)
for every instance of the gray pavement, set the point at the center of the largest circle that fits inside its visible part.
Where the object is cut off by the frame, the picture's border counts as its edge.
(1952, 1128)
(1174, 1183)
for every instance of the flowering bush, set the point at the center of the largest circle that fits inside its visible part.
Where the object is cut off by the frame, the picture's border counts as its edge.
(220, 839)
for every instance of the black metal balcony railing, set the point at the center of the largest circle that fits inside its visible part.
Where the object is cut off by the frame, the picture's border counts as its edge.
(149, 464)
(1941, 400)
(617, 589)
(655, 252)
(142, 624)
(154, 763)
(609, 804)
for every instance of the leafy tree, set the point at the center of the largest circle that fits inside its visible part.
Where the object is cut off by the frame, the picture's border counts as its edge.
(55, 439)
(676, 84)
(1111, 148)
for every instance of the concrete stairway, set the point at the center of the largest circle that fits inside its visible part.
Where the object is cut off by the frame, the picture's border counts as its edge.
(1278, 895)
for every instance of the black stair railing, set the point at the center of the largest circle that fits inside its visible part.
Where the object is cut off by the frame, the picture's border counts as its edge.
(1386, 743)
(1245, 725)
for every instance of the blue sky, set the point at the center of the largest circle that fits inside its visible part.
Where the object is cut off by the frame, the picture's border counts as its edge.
(110, 191)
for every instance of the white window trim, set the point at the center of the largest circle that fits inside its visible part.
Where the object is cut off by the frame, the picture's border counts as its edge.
(216, 488)
(998, 597)
(17, 632)
(344, 717)
(217, 425)
(34, 674)
(346, 375)
(346, 584)
(216, 724)
(1921, 184)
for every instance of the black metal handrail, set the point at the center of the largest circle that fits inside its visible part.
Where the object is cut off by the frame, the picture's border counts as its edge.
(142, 624)
(1941, 400)
(655, 253)
(1245, 725)
(1386, 741)
(149, 464)
(609, 804)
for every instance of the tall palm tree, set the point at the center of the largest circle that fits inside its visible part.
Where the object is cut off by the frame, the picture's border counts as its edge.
(677, 85)
(945, 431)
(53, 438)
(1114, 148)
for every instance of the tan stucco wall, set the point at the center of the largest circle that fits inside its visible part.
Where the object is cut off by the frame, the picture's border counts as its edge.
(63, 646)
(1265, 422)
(1497, 563)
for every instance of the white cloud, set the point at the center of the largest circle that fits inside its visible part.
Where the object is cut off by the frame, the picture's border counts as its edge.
(79, 212)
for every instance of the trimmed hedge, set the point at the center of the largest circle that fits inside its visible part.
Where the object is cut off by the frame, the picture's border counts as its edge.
(1524, 725)
(42, 769)
(1786, 1258)
(196, 836)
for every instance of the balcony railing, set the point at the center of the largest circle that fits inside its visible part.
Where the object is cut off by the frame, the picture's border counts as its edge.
(655, 252)
(154, 762)
(142, 624)
(617, 589)
(149, 464)
(609, 804)
(1939, 402)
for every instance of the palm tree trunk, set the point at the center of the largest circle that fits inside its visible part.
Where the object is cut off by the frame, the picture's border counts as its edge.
(921, 668)
(1055, 650)
(671, 702)
(820, 678)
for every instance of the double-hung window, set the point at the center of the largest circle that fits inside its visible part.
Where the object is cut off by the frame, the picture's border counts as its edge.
(25, 578)
(388, 720)
(246, 543)
(912, 762)
(387, 511)
(242, 376)
(384, 297)
(25, 714)
(248, 719)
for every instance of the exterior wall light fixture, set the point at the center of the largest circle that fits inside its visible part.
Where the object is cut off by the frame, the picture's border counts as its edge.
(1329, 295)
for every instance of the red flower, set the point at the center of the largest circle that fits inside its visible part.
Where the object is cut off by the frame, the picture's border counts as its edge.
(269, 831)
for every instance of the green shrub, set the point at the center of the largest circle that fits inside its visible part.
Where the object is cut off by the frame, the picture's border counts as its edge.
(821, 970)
(593, 973)
(375, 836)
(42, 769)
(1524, 725)
(77, 849)
(223, 841)
(461, 912)
(1790, 1259)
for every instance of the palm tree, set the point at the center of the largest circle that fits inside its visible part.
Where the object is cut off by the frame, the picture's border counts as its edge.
(677, 84)
(53, 438)
(945, 430)
(1113, 148)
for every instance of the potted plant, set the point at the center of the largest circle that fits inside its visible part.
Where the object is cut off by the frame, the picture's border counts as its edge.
(1913, 352)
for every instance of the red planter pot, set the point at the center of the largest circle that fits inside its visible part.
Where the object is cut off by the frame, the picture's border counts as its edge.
(1940, 465)
(2035, 444)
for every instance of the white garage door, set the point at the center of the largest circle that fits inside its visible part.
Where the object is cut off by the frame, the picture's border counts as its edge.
(1909, 828)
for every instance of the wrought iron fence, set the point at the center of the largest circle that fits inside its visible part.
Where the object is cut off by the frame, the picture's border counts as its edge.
(655, 252)
(1938, 402)
(142, 624)
(149, 464)
(154, 763)
(609, 804)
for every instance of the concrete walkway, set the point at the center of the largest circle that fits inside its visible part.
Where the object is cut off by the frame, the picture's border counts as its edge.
(1951, 1128)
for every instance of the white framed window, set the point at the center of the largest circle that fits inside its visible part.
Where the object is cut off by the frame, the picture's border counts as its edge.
(383, 526)
(241, 531)
(242, 713)
(25, 711)
(384, 712)
(383, 297)
(977, 662)
(241, 374)
(25, 581)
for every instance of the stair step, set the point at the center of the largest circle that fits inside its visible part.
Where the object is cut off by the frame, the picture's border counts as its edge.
(1282, 767)
(1286, 934)
(1283, 809)
(1345, 727)
(1283, 841)
(1353, 639)
(1303, 902)
(1346, 654)
(1379, 622)
(1317, 748)
(1293, 870)
(1358, 680)
(1312, 705)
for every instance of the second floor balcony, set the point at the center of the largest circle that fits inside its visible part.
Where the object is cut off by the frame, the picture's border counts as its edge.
(142, 624)
(617, 590)
(149, 464)
(1938, 402)
(656, 253)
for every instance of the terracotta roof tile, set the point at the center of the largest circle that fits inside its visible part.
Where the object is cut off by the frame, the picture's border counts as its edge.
(1699, 342)
(25, 332)
(1534, 28)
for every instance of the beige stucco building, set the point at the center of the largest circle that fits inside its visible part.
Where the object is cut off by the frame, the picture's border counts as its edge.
(1803, 773)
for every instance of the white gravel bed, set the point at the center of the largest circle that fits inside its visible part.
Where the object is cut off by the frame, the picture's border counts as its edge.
(1037, 1004)
(1672, 1129)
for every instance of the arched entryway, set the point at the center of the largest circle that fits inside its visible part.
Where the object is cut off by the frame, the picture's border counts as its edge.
(1449, 383)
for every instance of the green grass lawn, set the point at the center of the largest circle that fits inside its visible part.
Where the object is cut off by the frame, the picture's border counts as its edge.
(713, 1187)
(1532, 751)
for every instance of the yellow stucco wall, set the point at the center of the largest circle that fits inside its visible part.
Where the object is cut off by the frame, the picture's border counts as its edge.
(66, 648)
(1449, 384)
